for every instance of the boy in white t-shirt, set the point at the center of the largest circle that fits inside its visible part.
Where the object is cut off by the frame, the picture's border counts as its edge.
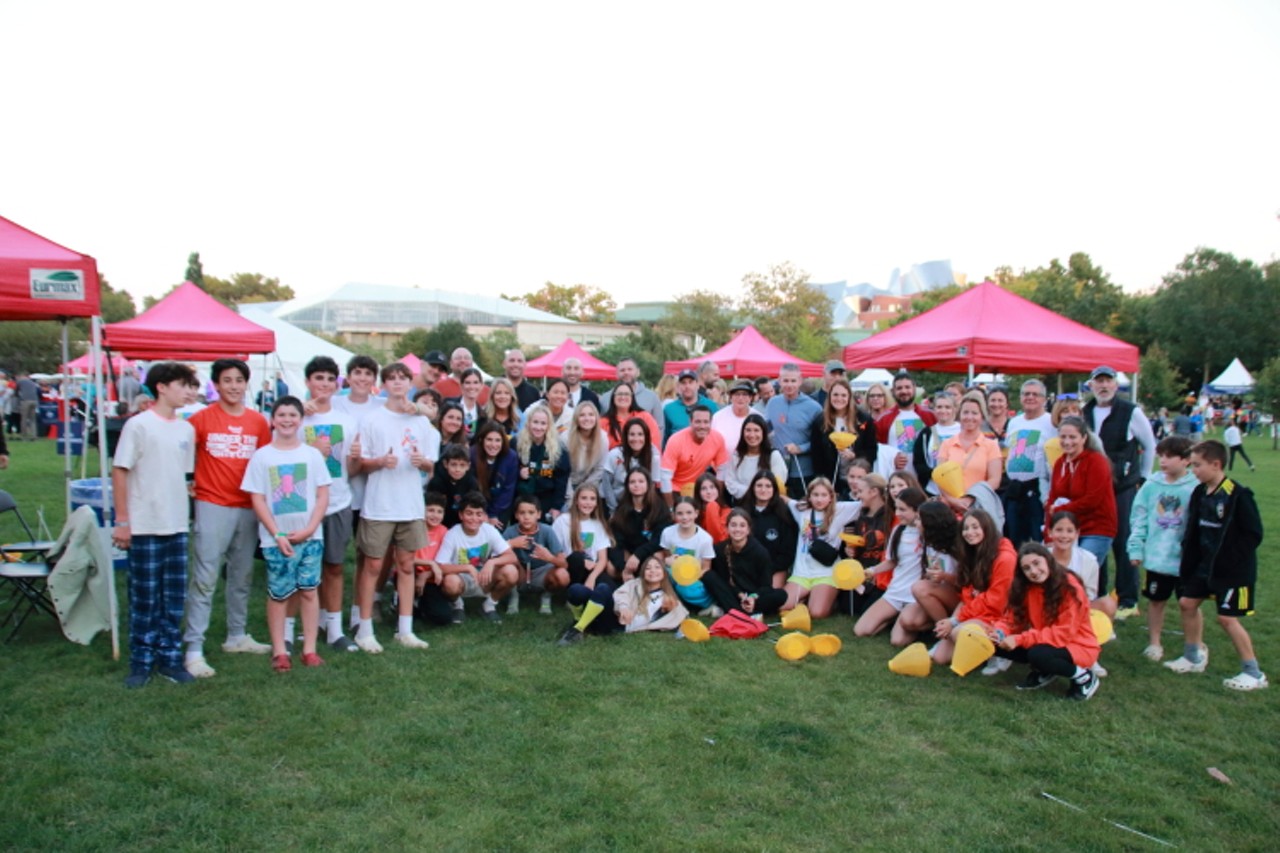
(393, 502)
(476, 561)
(288, 484)
(155, 455)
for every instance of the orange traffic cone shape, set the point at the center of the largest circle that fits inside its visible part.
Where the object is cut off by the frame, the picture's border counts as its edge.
(950, 478)
(973, 649)
(793, 647)
(914, 660)
(1102, 626)
(825, 645)
(848, 574)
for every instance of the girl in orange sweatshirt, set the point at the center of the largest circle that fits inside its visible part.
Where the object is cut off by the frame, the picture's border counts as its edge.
(1047, 625)
(985, 573)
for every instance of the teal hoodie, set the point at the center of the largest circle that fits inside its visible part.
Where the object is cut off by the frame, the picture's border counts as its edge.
(1158, 520)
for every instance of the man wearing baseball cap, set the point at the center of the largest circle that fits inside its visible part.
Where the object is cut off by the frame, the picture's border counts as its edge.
(728, 421)
(1130, 444)
(833, 371)
(678, 413)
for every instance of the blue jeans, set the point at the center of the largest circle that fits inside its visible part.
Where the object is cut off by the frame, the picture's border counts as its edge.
(1098, 546)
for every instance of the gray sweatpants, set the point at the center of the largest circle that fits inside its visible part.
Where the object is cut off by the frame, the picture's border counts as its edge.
(221, 532)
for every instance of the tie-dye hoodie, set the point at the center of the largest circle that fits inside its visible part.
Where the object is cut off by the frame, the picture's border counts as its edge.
(1158, 520)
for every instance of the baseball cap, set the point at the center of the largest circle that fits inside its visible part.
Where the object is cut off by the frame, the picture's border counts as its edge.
(833, 366)
(1103, 370)
(742, 387)
(435, 358)
(687, 374)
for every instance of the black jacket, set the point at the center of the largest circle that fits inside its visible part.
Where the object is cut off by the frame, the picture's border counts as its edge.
(1235, 562)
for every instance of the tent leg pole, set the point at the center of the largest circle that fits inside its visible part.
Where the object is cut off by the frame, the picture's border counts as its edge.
(66, 423)
(108, 511)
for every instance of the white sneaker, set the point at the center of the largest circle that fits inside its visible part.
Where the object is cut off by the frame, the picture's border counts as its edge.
(513, 603)
(1245, 681)
(245, 645)
(1098, 670)
(996, 665)
(712, 612)
(409, 641)
(1153, 652)
(1182, 666)
(544, 607)
(200, 668)
(369, 644)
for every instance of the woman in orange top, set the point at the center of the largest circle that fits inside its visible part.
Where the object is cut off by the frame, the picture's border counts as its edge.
(1047, 625)
(984, 575)
(622, 409)
(978, 456)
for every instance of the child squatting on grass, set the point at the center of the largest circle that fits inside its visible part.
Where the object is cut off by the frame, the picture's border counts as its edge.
(1047, 625)
(288, 485)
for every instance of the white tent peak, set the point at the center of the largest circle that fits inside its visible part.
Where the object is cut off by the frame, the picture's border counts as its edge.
(1234, 380)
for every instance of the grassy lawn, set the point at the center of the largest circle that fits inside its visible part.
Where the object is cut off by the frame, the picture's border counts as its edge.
(496, 739)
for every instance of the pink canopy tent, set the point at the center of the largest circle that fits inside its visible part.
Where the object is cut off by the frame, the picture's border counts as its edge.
(40, 280)
(84, 364)
(412, 362)
(748, 354)
(188, 324)
(989, 328)
(551, 364)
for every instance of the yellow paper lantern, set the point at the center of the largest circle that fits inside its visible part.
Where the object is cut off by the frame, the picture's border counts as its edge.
(1052, 451)
(686, 569)
(973, 649)
(694, 631)
(950, 478)
(913, 660)
(1102, 626)
(848, 574)
(842, 440)
(793, 647)
(825, 645)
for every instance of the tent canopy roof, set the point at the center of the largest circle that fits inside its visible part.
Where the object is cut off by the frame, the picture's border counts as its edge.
(551, 364)
(987, 327)
(40, 280)
(1234, 380)
(188, 324)
(749, 353)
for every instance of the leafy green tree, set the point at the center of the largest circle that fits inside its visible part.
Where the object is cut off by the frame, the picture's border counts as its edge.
(493, 347)
(447, 337)
(1159, 383)
(1266, 387)
(705, 314)
(415, 341)
(927, 301)
(576, 302)
(1079, 290)
(117, 305)
(789, 311)
(243, 287)
(35, 347)
(1215, 307)
(195, 270)
(651, 347)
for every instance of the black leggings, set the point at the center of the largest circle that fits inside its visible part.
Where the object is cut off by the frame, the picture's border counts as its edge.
(768, 601)
(1044, 658)
(1238, 448)
(607, 622)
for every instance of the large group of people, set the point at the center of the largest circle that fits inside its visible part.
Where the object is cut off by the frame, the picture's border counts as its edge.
(638, 507)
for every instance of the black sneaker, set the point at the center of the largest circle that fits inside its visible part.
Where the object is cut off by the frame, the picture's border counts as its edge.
(1082, 691)
(137, 677)
(459, 616)
(571, 637)
(492, 615)
(344, 644)
(176, 674)
(1035, 680)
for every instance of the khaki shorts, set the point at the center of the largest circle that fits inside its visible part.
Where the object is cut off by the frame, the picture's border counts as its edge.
(375, 537)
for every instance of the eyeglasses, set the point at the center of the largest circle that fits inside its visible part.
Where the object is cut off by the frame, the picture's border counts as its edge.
(875, 396)
(1032, 394)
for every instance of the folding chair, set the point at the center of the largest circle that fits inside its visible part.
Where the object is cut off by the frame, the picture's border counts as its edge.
(24, 569)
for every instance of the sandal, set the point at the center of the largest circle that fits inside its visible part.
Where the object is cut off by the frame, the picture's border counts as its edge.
(281, 663)
(312, 659)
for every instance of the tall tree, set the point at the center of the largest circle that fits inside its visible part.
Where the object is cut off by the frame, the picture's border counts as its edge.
(195, 270)
(493, 347)
(34, 346)
(789, 311)
(651, 347)
(243, 287)
(1159, 384)
(705, 314)
(1266, 388)
(117, 305)
(1079, 290)
(575, 302)
(414, 341)
(927, 301)
(448, 336)
(1215, 307)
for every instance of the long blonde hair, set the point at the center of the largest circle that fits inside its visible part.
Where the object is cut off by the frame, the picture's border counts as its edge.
(513, 411)
(828, 514)
(576, 519)
(586, 452)
(524, 441)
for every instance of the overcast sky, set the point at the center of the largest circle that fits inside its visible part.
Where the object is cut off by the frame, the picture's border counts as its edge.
(647, 149)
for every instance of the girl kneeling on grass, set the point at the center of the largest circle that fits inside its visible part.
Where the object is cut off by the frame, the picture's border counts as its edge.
(904, 562)
(987, 567)
(821, 518)
(288, 485)
(1047, 625)
(585, 535)
(935, 595)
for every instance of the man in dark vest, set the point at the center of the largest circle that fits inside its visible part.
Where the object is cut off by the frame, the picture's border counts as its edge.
(1130, 444)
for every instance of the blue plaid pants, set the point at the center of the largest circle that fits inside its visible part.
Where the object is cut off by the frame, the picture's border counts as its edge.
(157, 593)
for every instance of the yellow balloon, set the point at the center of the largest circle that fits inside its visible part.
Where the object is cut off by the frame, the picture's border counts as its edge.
(793, 647)
(842, 440)
(913, 660)
(1102, 626)
(950, 478)
(1052, 451)
(825, 645)
(694, 631)
(848, 574)
(973, 649)
(686, 569)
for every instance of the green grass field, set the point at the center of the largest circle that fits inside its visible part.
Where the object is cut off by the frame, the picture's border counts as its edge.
(496, 739)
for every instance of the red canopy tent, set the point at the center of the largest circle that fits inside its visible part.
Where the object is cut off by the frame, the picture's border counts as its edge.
(748, 354)
(989, 328)
(551, 364)
(188, 324)
(84, 364)
(40, 280)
